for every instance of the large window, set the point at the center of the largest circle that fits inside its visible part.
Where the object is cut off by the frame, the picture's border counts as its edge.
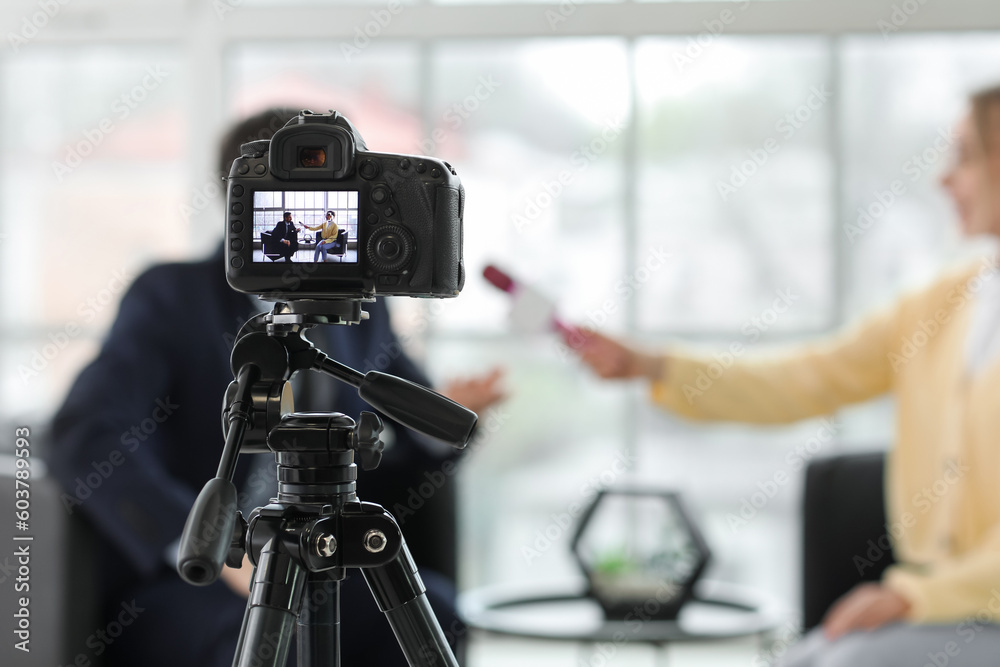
(649, 187)
(93, 186)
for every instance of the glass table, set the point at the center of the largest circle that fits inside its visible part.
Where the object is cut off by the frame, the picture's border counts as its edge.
(564, 612)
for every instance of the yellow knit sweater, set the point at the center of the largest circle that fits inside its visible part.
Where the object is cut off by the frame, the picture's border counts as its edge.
(943, 474)
(329, 228)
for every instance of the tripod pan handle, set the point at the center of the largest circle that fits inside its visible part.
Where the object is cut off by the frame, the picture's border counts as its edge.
(208, 533)
(419, 408)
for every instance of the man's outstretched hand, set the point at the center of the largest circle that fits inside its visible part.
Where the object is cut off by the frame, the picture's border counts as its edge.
(478, 392)
(238, 580)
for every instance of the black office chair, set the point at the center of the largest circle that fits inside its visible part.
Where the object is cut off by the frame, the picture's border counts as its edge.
(844, 516)
(274, 249)
(340, 245)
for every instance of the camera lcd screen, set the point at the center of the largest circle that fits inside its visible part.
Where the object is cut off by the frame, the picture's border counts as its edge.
(305, 226)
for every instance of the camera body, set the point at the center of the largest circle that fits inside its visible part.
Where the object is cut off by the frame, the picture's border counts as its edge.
(312, 214)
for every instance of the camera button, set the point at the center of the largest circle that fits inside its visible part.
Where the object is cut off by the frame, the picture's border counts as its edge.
(380, 194)
(237, 190)
(259, 169)
(369, 169)
(243, 168)
(372, 218)
(236, 245)
(421, 167)
(237, 208)
(389, 212)
(237, 226)
(435, 172)
(236, 262)
(404, 164)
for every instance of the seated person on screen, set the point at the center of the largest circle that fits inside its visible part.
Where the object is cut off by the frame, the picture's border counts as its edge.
(947, 395)
(167, 359)
(328, 235)
(286, 236)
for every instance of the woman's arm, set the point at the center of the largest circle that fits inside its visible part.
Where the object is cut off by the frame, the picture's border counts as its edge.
(735, 385)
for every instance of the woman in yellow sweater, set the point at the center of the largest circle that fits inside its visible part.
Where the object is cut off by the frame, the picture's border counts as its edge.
(328, 235)
(938, 353)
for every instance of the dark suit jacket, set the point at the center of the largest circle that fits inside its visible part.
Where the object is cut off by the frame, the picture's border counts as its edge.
(286, 231)
(150, 403)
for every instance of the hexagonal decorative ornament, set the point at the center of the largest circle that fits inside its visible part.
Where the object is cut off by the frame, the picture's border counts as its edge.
(640, 551)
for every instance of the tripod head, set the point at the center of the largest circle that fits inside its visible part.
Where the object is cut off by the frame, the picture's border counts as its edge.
(258, 418)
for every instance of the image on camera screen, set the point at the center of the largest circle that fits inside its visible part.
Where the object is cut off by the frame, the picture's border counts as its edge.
(310, 226)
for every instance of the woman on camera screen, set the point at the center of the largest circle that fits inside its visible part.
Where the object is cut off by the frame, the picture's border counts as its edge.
(328, 235)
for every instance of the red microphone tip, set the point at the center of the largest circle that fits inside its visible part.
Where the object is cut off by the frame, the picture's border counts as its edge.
(498, 278)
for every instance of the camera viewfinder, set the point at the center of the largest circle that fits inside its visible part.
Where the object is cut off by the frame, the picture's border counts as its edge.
(312, 156)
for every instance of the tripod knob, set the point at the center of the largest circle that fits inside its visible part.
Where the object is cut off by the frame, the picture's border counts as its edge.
(326, 544)
(366, 440)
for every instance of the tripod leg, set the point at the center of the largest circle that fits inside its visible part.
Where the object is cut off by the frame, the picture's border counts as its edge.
(266, 635)
(401, 596)
(318, 629)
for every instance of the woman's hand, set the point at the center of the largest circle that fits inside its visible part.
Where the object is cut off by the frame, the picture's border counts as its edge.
(238, 580)
(477, 393)
(612, 359)
(865, 607)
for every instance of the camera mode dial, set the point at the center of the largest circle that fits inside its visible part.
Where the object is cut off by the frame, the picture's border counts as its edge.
(390, 248)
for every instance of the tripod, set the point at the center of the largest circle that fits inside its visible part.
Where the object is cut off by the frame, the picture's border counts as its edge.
(303, 541)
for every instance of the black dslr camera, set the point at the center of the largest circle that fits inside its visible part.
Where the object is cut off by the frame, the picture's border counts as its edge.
(312, 214)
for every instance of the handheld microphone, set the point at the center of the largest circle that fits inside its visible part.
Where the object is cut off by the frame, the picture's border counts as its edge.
(531, 311)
